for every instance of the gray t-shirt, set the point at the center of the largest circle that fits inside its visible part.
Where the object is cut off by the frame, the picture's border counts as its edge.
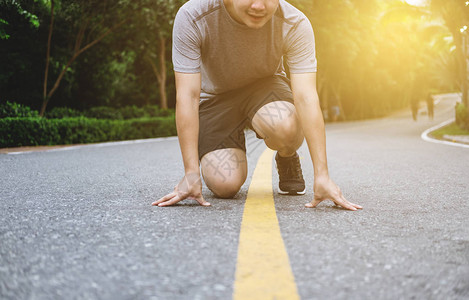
(230, 55)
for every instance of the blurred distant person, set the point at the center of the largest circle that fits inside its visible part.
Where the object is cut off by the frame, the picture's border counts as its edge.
(334, 108)
(335, 113)
(228, 60)
(430, 106)
(414, 106)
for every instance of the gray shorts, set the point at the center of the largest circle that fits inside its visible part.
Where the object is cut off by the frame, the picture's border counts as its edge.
(223, 118)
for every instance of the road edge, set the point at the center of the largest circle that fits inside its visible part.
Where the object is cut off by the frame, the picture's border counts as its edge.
(16, 151)
(425, 135)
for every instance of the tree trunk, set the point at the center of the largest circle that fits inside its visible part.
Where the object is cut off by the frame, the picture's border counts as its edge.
(46, 73)
(162, 55)
(464, 72)
(160, 73)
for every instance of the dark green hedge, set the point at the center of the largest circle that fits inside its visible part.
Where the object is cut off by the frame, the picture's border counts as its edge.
(111, 113)
(12, 109)
(40, 131)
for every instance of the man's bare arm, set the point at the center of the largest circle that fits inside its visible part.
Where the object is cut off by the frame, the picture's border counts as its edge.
(309, 112)
(187, 118)
(187, 123)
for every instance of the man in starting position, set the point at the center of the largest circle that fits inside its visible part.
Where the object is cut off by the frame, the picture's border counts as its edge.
(228, 58)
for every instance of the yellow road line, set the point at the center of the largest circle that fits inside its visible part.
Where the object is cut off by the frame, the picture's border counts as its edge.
(263, 270)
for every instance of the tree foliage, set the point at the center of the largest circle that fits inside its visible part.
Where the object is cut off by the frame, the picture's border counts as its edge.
(378, 56)
(91, 22)
(455, 14)
(155, 28)
(374, 56)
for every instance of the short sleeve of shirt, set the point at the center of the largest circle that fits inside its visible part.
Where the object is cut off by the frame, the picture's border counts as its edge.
(300, 48)
(186, 52)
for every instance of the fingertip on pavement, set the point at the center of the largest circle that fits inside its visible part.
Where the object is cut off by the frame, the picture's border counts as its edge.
(163, 205)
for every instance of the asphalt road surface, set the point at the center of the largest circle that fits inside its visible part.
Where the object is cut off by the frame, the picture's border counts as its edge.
(78, 224)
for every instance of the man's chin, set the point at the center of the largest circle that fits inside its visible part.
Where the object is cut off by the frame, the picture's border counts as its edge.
(256, 25)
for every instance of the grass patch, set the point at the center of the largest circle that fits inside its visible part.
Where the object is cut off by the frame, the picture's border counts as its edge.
(451, 129)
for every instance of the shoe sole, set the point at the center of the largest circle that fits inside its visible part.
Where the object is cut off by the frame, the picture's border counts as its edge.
(291, 192)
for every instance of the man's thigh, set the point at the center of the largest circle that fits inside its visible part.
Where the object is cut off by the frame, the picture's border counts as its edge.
(223, 119)
(274, 117)
(221, 125)
(268, 91)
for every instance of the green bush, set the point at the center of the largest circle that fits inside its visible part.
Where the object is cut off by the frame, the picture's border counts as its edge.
(12, 109)
(98, 112)
(21, 126)
(152, 111)
(127, 112)
(132, 112)
(156, 111)
(104, 112)
(166, 112)
(462, 116)
(63, 112)
(40, 131)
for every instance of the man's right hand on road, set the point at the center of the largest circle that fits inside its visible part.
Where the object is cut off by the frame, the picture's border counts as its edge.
(325, 188)
(190, 187)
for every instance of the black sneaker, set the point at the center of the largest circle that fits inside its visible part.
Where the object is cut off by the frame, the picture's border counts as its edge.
(291, 180)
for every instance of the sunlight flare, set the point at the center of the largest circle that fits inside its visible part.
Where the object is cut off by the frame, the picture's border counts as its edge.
(417, 2)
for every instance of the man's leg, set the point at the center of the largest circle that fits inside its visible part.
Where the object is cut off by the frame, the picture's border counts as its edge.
(278, 124)
(224, 171)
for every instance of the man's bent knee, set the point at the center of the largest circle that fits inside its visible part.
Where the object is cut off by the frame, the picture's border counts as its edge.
(277, 119)
(288, 131)
(225, 189)
(224, 171)
(280, 129)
